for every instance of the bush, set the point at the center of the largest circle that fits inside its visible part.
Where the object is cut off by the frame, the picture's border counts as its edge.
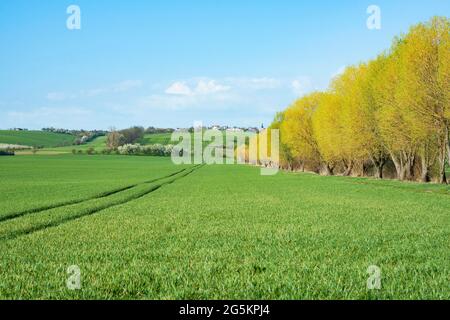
(6, 153)
(133, 135)
(150, 150)
(90, 151)
(153, 130)
(130, 149)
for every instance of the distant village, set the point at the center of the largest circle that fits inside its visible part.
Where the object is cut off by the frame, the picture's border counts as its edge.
(149, 130)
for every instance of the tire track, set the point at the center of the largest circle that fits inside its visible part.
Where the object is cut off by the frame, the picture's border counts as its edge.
(26, 230)
(11, 216)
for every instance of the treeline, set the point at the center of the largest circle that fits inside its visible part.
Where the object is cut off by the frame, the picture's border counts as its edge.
(153, 130)
(389, 114)
(130, 150)
(81, 136)
(115, 138)
(80, 132)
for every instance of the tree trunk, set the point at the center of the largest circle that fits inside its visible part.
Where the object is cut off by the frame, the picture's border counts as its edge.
(328, 169)
(379, 165)
(348, 168)
(427, 160)
(302, 166)
(379, 169)
(444, 149)
(398, 163)
(442, 174)
(448, 153)
(442, 162)
(448, 143)
(404, 165)
(409, 166)
(363, 169)
(425, 171)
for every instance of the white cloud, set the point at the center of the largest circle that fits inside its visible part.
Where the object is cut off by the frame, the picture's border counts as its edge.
(179, 88)
(230, 93)
(301, 85)
(171, 102)
(200, 87)
(217, 101)
(209, 87)
(338, 72)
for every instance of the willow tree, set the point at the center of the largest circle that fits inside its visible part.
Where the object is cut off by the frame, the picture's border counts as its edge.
(421, 92)
(394, 119)
(356, 117)
(396, 106)
(327, 129)
(286, 157)
(373, 142)
(297, 130)
(443, 48)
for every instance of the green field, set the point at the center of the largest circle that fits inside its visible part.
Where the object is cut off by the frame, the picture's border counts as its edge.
(158, 138)
(98, 144)
(53, 180)
(35, 138)
(139, 227)
(56, 144)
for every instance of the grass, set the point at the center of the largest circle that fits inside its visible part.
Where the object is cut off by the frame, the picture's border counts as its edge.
(35, 138)
(221, 232)
(97, 144)
(158, 138)
(42, 218)
(165, 139)
(52, 180)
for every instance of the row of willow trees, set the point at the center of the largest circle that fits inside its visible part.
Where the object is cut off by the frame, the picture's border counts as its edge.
(391, 114)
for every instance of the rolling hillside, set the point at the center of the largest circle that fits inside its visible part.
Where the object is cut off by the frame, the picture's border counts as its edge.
(157, 138)
(100, 143)
(35, 138)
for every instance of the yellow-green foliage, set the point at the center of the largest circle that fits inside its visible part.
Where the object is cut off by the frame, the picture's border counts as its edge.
(297, 130)
(328, 129)
(396, 106)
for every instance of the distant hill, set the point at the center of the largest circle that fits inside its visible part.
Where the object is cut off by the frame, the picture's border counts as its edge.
(157, 138)
(36, 138)
(98, 144)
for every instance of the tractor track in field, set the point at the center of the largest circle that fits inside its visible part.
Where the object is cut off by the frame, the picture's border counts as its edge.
(83, 213)
(11, 216)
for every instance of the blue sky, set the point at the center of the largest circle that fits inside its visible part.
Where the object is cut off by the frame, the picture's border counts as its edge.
(170, 63)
